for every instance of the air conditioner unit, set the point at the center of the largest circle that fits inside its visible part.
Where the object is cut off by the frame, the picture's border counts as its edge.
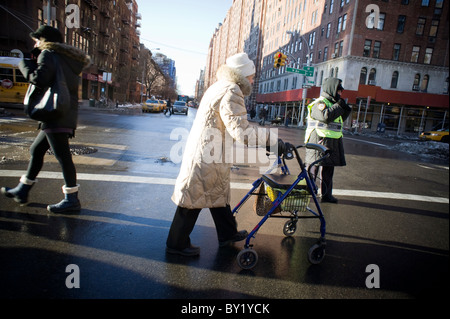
(372, 82)
(415, 88)
(333, 56)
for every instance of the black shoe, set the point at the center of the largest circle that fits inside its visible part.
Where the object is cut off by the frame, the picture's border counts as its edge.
(190, 251)
(241, 235)
(330, 199)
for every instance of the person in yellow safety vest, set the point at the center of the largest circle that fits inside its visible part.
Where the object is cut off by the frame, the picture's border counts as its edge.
(326, 116)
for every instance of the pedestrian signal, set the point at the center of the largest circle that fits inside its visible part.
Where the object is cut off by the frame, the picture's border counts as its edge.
(280, 60)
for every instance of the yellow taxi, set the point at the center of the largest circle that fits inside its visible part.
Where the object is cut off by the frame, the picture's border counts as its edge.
(151, 106)
(438, 135)
(163, 104)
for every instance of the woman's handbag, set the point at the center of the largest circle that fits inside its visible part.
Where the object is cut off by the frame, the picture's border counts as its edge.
(51, 104)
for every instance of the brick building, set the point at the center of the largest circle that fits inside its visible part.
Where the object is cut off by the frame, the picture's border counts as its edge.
(106, 30)
(391, 55)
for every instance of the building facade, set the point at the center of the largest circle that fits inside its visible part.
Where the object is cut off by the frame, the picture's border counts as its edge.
(391, 55)
(108, 31)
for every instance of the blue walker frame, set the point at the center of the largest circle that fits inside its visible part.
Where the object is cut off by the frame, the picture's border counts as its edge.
(248, 258)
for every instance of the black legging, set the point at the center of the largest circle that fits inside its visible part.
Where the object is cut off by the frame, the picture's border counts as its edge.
(59, 142)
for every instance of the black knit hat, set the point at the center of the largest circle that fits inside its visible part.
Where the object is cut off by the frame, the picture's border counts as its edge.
(49, 33)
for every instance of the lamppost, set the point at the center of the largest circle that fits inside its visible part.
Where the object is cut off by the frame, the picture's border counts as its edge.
(308, 63)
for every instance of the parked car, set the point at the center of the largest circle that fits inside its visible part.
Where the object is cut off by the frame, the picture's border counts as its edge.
(180, 107)
(151, 106)
(438, 135)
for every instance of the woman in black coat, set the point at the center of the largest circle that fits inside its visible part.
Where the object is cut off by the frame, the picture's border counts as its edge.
(49, 54)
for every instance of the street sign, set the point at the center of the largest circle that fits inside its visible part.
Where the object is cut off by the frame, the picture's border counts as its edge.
(310, 82)
(304, 86)
(308, 68)
(298, 71)
(307, 73)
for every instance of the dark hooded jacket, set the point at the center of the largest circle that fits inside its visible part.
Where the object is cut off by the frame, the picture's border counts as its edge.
(41, 75)
(328, 115)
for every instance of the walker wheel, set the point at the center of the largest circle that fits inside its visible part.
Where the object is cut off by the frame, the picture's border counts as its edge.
(289, 228)
(316, 254)
(247, 258)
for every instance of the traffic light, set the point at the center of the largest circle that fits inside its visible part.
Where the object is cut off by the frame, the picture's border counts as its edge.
(280, 60)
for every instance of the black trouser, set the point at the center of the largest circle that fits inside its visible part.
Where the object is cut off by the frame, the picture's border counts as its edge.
(184, 221)
(59, 142)
(327, 179)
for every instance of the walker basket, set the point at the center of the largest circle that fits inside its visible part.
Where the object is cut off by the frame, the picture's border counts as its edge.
(297, 200)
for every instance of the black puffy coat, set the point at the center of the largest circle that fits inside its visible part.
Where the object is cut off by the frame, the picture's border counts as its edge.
(42, 73)
(328, 115)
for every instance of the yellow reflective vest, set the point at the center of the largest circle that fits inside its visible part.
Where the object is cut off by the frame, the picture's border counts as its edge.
(330, 130)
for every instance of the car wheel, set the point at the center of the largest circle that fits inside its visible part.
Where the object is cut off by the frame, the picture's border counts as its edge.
(445, 139)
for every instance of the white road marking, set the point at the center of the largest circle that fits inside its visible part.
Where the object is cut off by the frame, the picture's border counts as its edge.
(362, 141)
(240, 186)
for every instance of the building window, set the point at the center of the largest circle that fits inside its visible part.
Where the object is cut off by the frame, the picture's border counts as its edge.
(367, 47)
(341, 47)
(339, 26)
(446, 86)
(344, 22)
(325, 53)
(396, 53)
(401, 23)
(331, 6)
(416, 82)
(405, 1)
(428, 55)
(363, 76)
(420, 26)
(394, 80)
(415, 54)
(336, 49)
(376, 49)
(424, 85)
(434, 28)
(336, 72)
(425, 3)
(328, 30)
(372, 77)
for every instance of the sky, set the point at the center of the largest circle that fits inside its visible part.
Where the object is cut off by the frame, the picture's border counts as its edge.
(182, 30)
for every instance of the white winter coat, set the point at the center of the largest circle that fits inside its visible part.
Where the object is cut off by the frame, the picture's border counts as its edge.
(204, 178)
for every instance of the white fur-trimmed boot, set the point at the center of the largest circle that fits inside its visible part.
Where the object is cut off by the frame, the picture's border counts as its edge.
(70, 203)
(20, 192)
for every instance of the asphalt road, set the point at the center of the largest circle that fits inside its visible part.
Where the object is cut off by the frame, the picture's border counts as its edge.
(392, 213)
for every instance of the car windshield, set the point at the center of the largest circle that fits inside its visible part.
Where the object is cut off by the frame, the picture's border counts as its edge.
(180, 103)
(151, 101)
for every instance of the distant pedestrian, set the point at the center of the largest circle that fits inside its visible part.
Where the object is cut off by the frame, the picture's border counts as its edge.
(205, 183)
(49, 54)
(262, 116)
(326, 116)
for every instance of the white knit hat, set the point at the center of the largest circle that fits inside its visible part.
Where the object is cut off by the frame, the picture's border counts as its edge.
(242, 63)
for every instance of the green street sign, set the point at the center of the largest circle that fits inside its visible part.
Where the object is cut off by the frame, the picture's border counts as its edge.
(307, 73)
(298, 71)
(308, 68)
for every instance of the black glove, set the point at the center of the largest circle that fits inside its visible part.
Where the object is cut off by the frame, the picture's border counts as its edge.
(344, 105)
(35, 53)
